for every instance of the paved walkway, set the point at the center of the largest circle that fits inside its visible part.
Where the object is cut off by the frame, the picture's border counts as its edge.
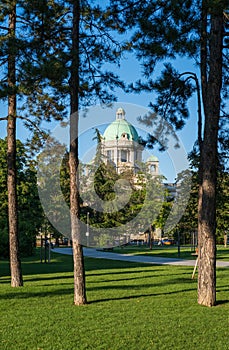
(93, 253)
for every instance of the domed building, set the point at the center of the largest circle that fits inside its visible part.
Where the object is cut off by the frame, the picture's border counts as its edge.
(121, 146)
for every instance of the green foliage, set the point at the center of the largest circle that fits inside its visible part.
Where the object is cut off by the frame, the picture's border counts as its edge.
(222, 206)
(107, 214)
(105, 178)
(164, 212)
(189, 221)
(165, 32)
(30, 214)
(65, 178)
(173, 92)
(53, 177)
(144, 199)
(113, 199)
(45, 71)
(42, 46)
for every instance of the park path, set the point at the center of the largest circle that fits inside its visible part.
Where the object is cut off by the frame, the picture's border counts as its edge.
(100, 254)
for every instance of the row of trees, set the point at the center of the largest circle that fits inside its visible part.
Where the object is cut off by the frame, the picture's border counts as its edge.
(53, 55)
(30, 213)
(32, 219)
(187, 226)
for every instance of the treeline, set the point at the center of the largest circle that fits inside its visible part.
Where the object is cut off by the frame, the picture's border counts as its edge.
(30, 213)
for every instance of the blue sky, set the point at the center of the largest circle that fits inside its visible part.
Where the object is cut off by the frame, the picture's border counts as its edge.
(130, 71)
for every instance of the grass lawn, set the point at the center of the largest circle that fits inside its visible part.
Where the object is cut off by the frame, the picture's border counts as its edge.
(130, 307)
(169, 251)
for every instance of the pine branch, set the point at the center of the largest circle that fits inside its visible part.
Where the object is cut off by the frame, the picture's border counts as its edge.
(27, 120)
(31, 122)
(4, 28)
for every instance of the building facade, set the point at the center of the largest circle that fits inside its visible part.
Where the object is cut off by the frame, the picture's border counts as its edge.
(121, 146)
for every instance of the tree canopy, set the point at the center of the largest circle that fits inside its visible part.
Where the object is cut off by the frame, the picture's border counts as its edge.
(30, 213)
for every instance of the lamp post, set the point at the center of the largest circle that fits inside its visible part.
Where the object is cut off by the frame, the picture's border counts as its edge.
(88, 232)
(178, 243)
(117, 155)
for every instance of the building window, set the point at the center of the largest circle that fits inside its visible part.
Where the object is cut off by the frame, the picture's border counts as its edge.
(124, 136)
(110, 155)
(153, 168)
(123, 156)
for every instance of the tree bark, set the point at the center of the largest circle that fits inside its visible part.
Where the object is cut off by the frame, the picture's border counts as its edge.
(208, 165)
(15, 263)
(79, 272)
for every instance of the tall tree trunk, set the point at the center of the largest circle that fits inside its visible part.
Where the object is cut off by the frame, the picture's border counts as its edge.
(79, 272)
(208, 165)
(15, 264)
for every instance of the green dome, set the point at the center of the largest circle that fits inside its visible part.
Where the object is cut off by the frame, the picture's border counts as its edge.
(152, 159)
(120, 128)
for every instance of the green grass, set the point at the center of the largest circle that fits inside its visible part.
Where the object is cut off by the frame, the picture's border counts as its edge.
(130, 306)
(169, 251)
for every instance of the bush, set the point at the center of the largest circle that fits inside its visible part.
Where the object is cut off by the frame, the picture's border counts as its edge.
(4, 246)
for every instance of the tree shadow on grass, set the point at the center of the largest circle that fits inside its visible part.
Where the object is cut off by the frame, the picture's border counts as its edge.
(146, 274)
(37, 272)
(139, 296)
(26, 280)
(151, 272)
(48, 278)
(127, 278)
(69, 291)
(40, 294)
(221, 302)
(109, 286)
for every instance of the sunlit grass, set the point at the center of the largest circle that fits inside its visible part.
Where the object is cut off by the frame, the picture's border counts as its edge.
(130, 306)
(186, 252)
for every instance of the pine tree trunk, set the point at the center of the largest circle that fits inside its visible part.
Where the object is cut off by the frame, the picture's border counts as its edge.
(15, 264)
(208, 167)
(79, 272)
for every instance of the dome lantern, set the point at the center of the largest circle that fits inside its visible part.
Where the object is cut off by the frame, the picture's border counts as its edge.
(120, 129)
(120, 113)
